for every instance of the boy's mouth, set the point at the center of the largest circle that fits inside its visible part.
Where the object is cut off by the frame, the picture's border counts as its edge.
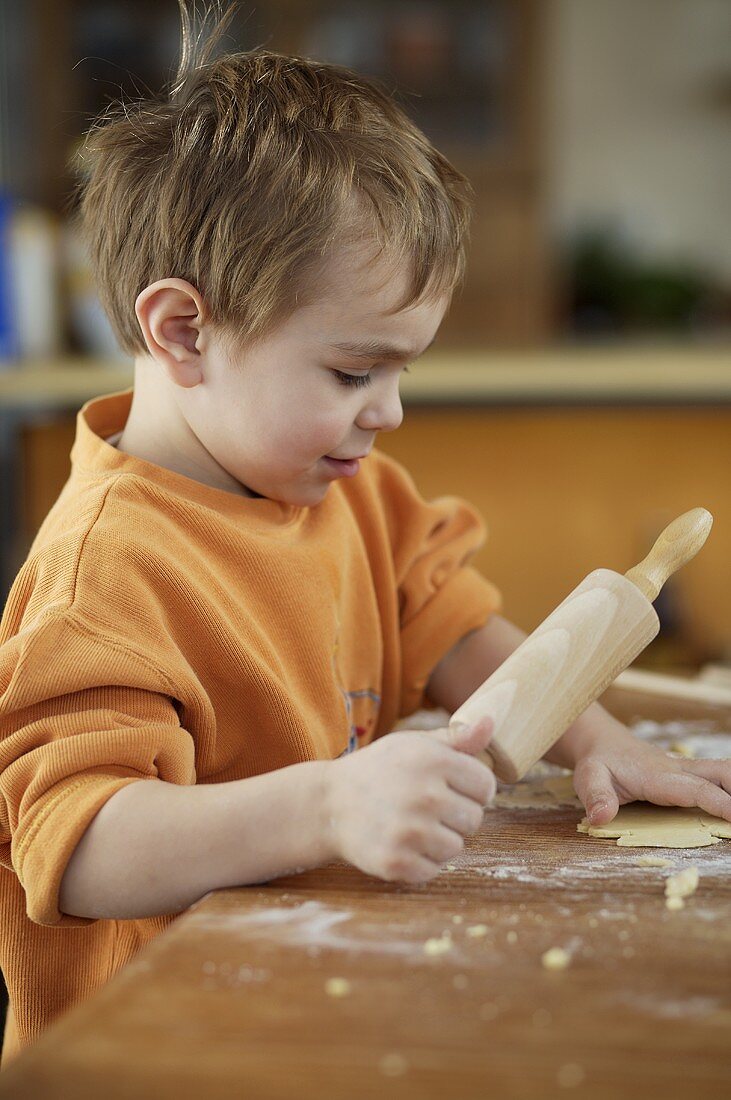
(343, 467)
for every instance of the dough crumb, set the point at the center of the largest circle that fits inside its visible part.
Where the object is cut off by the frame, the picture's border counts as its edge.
(682, 885)
(438, 945)
(457, 919)
(555, 958)
(593, 922)
(337, 987)
(674, 903)
(571, 1075)
(512, 937)
(681, 749)
(653, 861)
(393, 1065)
(477, 930)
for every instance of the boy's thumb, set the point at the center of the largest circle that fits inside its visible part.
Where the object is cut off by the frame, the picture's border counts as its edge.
(468, 738)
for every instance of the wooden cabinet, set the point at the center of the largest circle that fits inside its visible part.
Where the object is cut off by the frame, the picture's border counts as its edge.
(567, 490)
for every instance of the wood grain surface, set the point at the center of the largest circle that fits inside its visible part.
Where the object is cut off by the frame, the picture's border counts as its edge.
(232, 1000)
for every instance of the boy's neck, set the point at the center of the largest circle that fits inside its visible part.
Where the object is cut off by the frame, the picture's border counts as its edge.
(157, 432)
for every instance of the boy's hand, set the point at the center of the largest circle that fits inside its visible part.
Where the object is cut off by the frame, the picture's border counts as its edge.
(401, 807)
(620, 768)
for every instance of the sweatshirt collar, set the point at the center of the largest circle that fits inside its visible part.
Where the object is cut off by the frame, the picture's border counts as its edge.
(103, 417)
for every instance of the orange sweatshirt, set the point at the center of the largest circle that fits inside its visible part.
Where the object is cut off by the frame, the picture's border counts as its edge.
(161, 629)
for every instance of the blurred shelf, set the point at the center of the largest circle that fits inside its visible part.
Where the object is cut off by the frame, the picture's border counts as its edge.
(628, 375)
(62, 383)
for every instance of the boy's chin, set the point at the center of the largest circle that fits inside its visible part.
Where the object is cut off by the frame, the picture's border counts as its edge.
(305, 497)
(308, 498)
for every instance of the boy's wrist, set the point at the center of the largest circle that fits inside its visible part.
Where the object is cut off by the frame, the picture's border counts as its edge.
(324, 774)
(590, 729)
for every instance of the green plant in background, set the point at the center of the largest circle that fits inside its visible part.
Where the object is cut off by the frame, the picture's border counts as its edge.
(610, 290)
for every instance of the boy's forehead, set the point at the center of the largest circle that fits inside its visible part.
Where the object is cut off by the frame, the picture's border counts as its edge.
(369, 283)
(360, 299)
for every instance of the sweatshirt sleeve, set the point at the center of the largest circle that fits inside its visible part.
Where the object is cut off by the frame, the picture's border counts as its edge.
(80, 717)
(441, 596)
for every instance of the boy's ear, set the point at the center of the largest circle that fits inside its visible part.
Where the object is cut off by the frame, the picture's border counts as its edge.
(170, 313)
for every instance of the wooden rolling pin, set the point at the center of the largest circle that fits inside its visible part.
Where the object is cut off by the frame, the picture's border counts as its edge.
(573, 656)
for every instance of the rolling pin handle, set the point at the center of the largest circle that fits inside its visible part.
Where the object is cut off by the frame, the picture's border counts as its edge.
(677, 544)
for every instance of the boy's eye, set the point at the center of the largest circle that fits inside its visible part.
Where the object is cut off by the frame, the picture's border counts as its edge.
(355, 379)
(352, 379)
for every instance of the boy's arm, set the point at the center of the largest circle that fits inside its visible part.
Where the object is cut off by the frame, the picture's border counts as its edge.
(157, 847)
(398, 808)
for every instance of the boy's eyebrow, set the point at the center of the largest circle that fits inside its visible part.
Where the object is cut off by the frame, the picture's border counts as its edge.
(375, 349)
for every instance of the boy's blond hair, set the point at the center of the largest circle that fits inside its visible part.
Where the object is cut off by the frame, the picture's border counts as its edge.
(242, 178)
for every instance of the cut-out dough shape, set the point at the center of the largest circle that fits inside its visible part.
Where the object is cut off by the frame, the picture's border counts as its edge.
(644, 825)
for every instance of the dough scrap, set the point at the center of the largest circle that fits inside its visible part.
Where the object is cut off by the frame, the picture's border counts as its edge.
(438, 945)
(680, 748)
(644, 825)
(683, 884)
(476, 931)
(556, 958)
(545, 793)
(337, 987)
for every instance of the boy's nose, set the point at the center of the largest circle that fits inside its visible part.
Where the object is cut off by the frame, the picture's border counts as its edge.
(383, 413)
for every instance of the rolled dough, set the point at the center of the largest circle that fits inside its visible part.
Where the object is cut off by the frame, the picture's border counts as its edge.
(644, 825)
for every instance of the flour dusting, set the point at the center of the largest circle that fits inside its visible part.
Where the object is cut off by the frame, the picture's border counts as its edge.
(315, 926)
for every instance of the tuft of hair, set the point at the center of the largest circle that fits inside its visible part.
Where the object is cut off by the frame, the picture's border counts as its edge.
(246, 173)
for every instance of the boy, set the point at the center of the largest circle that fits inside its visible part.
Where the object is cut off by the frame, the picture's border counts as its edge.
(234, 591)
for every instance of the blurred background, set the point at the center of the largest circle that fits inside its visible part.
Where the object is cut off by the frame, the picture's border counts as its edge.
(579, 391)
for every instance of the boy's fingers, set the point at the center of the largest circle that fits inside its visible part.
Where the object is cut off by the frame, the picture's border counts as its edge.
(470, 738)
(472, 778)
(463, 816)
(682, 789)
(715, 771)
(594, 786)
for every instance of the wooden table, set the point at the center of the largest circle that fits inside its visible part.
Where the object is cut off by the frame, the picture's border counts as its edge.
(232, 1000)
